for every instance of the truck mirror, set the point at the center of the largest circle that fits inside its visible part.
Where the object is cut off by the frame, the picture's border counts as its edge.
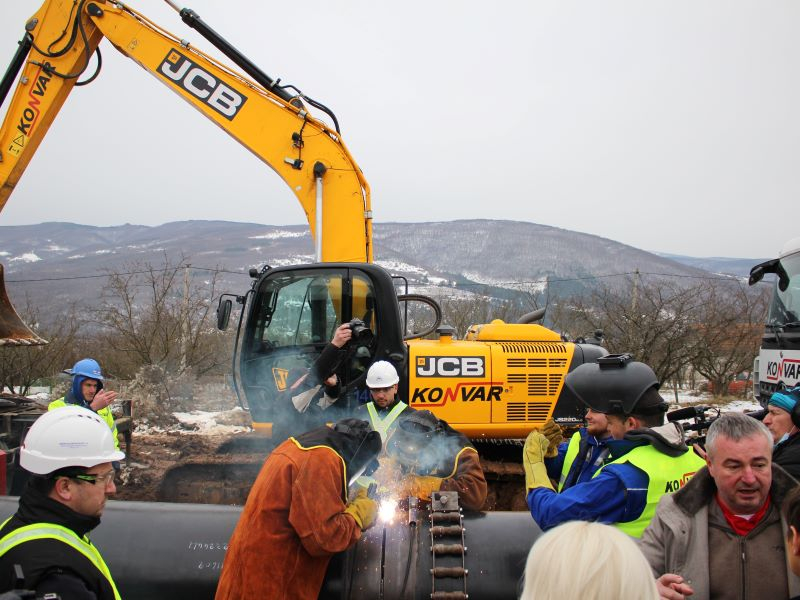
(756, 275)
(224, 313)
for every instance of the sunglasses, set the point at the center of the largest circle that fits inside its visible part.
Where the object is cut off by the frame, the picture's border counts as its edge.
(101, 478)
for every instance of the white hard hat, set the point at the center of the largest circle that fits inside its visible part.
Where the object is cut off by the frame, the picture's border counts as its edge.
(70, 436)
(381, 375)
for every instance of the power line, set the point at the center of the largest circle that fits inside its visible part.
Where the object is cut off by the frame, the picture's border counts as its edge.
(101, 275)
(497, 283)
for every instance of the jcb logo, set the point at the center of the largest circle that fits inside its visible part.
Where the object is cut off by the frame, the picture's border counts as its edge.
(450, 366)
(184, 73)
(280, 376)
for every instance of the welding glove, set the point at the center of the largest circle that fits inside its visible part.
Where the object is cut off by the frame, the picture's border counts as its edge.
(533, 460)
(363, 509)
(424, 485)
(552, 431)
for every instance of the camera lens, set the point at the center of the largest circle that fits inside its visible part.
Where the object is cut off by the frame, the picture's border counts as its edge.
(362, 335)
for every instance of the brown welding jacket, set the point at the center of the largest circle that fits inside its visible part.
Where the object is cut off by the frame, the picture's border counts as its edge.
(291, 525)
(468, 480)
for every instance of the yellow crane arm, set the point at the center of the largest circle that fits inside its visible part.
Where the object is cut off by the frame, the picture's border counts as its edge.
(307, 154)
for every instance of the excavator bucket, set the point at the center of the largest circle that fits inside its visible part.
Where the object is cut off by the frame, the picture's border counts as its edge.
(13, 332)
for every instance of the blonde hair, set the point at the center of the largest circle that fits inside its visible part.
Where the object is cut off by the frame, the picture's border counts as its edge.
(589, 561)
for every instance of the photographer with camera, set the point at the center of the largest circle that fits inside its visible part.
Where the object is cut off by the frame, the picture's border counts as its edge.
(311, 391)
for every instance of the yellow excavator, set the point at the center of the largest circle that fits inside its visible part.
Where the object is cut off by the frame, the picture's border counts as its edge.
(498, 383)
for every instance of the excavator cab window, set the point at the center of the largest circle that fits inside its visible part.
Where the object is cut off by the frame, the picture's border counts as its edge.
(297, 312)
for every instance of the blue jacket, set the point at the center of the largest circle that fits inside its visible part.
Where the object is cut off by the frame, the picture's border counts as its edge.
(597, 452)
(618, 494)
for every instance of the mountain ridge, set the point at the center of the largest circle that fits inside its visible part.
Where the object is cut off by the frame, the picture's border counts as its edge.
(478, 255)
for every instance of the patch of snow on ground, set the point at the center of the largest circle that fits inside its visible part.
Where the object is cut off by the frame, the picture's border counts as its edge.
(438, 280)
(274, 235)
(439, 293)
(74, 256)
(104, 252)
(4, 253)
(395, 265)
(689, 397)
(287, 262)
(206, 422)
(27, 257)
(55, 248)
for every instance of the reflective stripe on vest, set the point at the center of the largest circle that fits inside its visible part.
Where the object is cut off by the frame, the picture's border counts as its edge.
(666, 474)
(382, 425)
(569, 457)
(103, 413)
(39, 531)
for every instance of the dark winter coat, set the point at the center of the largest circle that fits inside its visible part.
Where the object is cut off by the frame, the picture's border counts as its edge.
(787, 455)
(50, 565)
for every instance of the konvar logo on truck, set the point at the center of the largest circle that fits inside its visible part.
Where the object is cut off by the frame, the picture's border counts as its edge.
(30, 114)
(786, 370)
(191, 77)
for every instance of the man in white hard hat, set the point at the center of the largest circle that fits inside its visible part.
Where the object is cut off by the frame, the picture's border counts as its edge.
(69, 454)
(386, 407)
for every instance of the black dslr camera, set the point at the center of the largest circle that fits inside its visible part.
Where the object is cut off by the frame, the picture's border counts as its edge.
(362, 335)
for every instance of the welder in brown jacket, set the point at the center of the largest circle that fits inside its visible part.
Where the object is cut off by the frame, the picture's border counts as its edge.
(297, 516)
(436, 457)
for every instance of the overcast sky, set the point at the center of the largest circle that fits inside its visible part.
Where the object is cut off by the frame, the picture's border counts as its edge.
(671, 126)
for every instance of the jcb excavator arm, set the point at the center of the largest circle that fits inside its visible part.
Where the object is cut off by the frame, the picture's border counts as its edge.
(308, 155)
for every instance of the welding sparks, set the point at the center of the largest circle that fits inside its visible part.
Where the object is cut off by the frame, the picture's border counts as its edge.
(387, 510)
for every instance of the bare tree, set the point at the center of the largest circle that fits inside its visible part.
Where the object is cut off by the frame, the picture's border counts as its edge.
(652, 319)
(161, 316)
(21, 367)
(729, 333)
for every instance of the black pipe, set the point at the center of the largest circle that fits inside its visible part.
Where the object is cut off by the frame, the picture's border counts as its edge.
(164, 551)
(193, 20)
(16, 64)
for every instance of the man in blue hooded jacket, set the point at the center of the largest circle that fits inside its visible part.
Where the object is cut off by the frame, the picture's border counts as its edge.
(87, 392)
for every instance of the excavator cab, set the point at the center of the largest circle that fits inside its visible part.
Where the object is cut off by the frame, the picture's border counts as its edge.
(294, 313)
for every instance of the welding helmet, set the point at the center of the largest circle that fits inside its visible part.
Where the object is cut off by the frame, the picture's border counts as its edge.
(69, 436)
(363, 447)
(412, 436)
(617, 385)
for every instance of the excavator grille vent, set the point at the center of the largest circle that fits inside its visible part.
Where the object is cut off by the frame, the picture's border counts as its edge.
(527, 411)
(544, 384)
(536, 363)
(533, 348)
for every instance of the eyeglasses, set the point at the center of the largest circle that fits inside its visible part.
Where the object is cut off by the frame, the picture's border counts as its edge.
(100, 478)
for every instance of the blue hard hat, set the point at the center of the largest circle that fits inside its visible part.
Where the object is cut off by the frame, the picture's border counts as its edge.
(87, 367)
